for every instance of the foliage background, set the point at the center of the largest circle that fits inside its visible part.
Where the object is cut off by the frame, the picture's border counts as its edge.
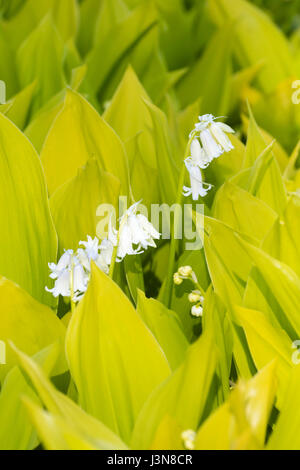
(101, 97)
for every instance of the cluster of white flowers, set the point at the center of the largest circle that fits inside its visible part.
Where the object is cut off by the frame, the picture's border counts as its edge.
(72, 273)
(209, 141)
(195, 297)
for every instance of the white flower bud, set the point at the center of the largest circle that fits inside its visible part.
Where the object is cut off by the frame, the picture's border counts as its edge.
(197, 311)
(194, 297)
(185, 271)
(189, 438)
(177, 279)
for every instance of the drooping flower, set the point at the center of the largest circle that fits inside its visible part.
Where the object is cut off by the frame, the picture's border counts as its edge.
(70, 276)
(219, 131)
(213, 136)
(136, 233)
(198, 187)
(209, 140)
(198, 156)
(73, 270)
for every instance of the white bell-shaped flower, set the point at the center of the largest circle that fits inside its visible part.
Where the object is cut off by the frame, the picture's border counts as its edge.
(198, 155)
(62, 284)
(219, 131)
(198, 187)
(213, 136)
(91, 248)
(62, 265)
(136, 233)
(210, 146)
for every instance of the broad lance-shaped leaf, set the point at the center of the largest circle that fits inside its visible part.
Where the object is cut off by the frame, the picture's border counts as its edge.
(117, 44)
(66, 17)
(167, 436)
(221, 421)
(16, 430)
(77, 134)
(267, 343)
(19, 106)
(282, 241)
(89, 14)
(75, 204)
(182, 396)
(8, 70)
(39, 58)
(256, 39)
(167, 170)
(247, 409)
(286, 433)
(216, 320)
(27, 237)
(264, 180)
(40, 125)
(67, 423)
(283, 285)
(30, 325)
(129, 116)
(243, 212)
(107, 331)
(166, 327)
(134, 274)
(229, 266)
(256, 143)
(110, 15)
(209, 78)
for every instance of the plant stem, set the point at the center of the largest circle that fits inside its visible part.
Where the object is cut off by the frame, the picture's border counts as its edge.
(173, 246)
(113, 260)
(72, 287)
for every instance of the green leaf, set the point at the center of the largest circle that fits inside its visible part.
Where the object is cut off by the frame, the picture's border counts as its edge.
(75, 210)
(266, 344)
(208, 439)
(39, 58)
(282, 241)
(30, 325)
(130, 118)
(68, 417)
(256, 39)
(77, 134)
(134, 275)
(284, 285)
(126, 36)
(286, 435)
(16, 431)
(66, 17)
(243, 212)
(216, 320)
(165, 326)
(110, 15)
(167, 171)
(28, 240)
(106, 329)
(209, 78)
(19, 106)
(182, 396)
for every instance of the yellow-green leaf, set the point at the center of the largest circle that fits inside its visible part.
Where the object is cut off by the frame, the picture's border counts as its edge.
(105, 329)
